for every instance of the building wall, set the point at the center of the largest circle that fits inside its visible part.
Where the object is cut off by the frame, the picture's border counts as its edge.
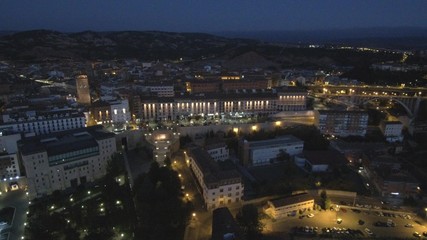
(120, 111)
(223, 195)
(220, 195)
(283, 211)
(44, 178)
(219, 154)
(45, 126)
(341, 123)
(263, 156)
(83, 91)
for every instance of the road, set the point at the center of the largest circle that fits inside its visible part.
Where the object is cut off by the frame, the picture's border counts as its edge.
(17, 199)
(200, 227)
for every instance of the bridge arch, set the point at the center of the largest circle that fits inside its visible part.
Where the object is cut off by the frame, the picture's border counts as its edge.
(410, 113)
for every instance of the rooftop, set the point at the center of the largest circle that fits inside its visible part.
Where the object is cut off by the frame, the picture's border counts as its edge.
(62, 142)
(283, 140)
(303, 197)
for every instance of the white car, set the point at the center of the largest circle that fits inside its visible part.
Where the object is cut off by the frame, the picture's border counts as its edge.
(310, 215)
(14, 187)
(368, 231)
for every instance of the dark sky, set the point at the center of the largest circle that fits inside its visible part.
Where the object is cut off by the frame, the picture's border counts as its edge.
(209, 15)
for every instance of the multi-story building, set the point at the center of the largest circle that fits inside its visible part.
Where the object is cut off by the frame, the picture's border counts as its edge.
(244, 103)
(66, 159)
(389, 178)
(203, 86)
(163, 143)
(110, 112)
(120, 111)
(83, 90)
(292, 100)
(218, 150)
(42, 122)
(219, 187)
(257, 153)
(341, 122)
(289, 206)
(9, 165)
(161, 90)
(392, 130)
(244, 84)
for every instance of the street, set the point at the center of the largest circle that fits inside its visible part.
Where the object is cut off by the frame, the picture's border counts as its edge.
(19, 201)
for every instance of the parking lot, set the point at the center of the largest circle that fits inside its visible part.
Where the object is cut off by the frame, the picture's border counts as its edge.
(355, 223)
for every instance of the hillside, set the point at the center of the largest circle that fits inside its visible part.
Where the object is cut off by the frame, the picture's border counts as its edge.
(42, 44)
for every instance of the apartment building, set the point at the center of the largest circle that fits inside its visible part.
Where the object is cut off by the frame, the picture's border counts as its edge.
(341, 122)
(392, 130)
(66, 159)
(219, 187)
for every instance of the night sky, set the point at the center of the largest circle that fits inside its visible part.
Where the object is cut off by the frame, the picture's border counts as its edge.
(209, 15)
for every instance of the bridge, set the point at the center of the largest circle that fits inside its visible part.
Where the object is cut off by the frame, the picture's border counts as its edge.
(408, 98)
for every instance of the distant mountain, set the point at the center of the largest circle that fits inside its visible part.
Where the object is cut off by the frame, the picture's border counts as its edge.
(235, 53)
(42, 44)
(398, 37)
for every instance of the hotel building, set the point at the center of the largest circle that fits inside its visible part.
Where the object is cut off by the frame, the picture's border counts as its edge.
(66, 159)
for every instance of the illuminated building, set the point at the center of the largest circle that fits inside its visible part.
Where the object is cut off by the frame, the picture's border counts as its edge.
(239, 103)
(341, 122)
(66, 159)
(83, 90)
(218, 187)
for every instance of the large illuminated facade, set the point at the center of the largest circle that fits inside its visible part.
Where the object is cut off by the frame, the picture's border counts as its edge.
(83, 90)
(244, 103)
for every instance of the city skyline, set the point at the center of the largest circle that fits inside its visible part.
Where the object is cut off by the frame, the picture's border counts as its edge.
(205, 16)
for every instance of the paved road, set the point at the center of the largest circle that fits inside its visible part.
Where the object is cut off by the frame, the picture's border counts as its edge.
(19, 201)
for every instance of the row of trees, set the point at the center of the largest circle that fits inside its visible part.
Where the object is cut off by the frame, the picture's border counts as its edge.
(96, 213)
(160, 206)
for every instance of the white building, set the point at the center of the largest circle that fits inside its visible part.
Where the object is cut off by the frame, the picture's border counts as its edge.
(120, 111)
(392, 130)
(9, 165)
(218, 151)
(43, 122)
(67, 159)
(219, 188)
(257, 153)
(214, 104)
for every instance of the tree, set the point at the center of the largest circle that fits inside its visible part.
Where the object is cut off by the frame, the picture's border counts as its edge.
(326, 202)
(248, 219)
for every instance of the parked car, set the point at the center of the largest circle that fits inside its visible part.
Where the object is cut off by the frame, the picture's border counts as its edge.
(408, 225)
(369, 232)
